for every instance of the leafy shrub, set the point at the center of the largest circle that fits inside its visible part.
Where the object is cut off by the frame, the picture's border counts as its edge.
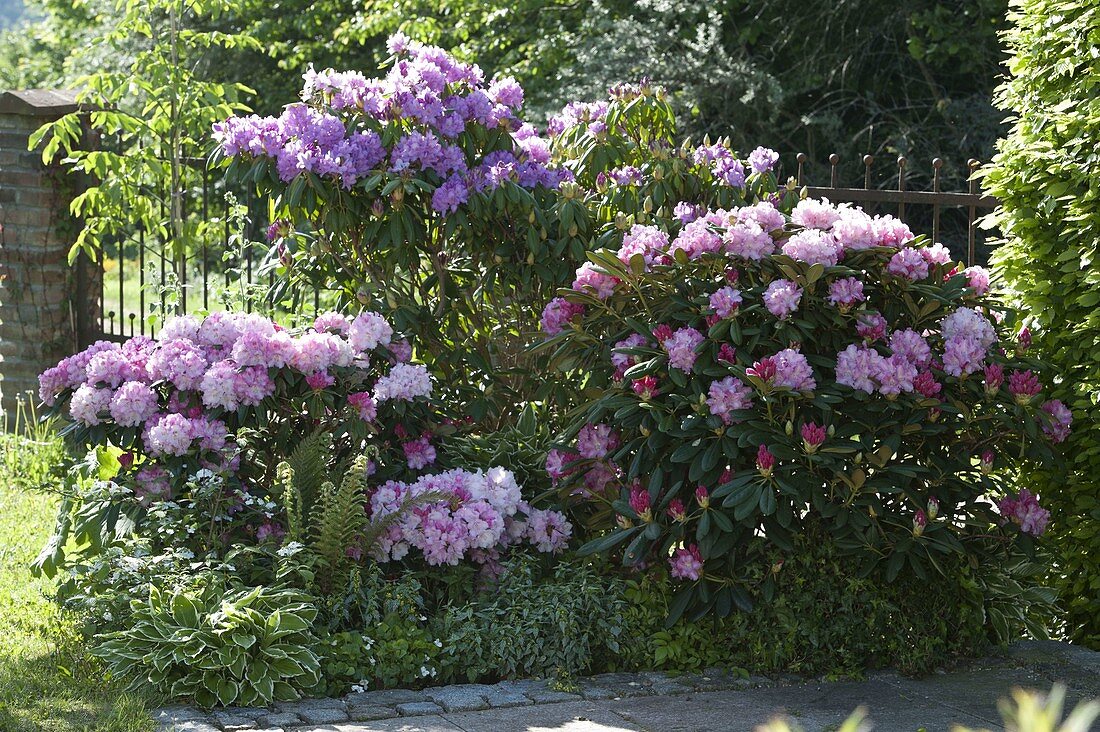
(814, 615)
(761, 372)
(565, 624)
(1045, 178)
(248, 647)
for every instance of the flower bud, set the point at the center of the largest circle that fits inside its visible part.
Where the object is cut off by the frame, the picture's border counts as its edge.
(362, 297)
(531, 217)
(702, 497)
(573, 230)
(789, 428)
(765, 461)
(987, 462)
(601, 182)
(933, 508)
(398, 195)
(658, 173)
(919, 522)
(378, 208)
(648, 204)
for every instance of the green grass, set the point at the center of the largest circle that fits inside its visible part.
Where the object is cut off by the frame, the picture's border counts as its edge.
(47, 681)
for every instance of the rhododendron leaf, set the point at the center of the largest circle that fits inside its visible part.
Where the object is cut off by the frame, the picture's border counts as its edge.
(678, 605)
(636, 550)
(604, 543)
(767, 501)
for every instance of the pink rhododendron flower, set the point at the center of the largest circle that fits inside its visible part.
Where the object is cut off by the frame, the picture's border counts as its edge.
(911, 346)
(890, 232)
(854, 230)
(687, 563)
(782, 298)
(696, 239)
(748, 240)
(1061, 418)
(846, 292)
(405, 382)
(871, 326)
(763, 215)
(815, 214)
(594, 282)
(558, 313)
(908, 263)
(936, 254)
(728, 395)
(639, 502)
(725, 302)
(132, 404)
(978, 278)
(419, 453)
(646, 387)
(88, 403)
(813, 247)
(363, 404)
(648, 241)
(1025, 511)
(681, 346)
(596, 441)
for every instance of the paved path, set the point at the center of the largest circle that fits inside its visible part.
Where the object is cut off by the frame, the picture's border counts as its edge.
(713, 702)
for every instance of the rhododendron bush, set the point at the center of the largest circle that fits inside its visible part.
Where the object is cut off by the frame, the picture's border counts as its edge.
(199, 420)
(794, 367)
(425, 194)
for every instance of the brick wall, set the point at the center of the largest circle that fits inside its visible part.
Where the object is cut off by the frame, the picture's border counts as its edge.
(38, 289)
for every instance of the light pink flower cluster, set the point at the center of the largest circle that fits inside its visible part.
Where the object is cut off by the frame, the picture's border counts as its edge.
(177, 389)
(680, 346)
(866, 370)
(687, 563)
(725, 302)
(967, 336)
(480, 515)
(782, 298)
(558, 313)
(1024, 511)
(727, 395)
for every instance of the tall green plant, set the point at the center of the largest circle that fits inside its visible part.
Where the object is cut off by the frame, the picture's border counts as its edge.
(142, 133)
(1046, 178)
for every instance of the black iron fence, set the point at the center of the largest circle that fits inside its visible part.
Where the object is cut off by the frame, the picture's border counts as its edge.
(145, 277)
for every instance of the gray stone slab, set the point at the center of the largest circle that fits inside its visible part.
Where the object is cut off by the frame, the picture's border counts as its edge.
(813, 706)
(190, 725)
(370, 712)
(579, 716)
(460, 698)
(323, 715)
(431, 723)
(505, 696)
(178, 713)
(385, 697)
(229, 721)
(279, 719)
(413, 709)
(551, 696)
(596, 692)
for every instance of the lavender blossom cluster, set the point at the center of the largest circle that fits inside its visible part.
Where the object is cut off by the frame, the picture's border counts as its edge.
(435, 110)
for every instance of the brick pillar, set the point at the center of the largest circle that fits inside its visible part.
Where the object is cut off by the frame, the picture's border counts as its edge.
(38, 288)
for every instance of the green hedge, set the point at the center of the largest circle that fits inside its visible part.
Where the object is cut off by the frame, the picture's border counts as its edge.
(1046, 177)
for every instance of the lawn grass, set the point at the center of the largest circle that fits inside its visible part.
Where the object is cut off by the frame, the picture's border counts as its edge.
(47, 681)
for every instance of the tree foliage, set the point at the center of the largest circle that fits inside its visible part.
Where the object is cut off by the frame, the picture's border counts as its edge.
(1045, 176)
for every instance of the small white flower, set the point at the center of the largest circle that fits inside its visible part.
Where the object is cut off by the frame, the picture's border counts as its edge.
(290, 549)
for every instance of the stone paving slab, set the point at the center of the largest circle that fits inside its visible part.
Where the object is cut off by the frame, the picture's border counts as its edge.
(715, 700)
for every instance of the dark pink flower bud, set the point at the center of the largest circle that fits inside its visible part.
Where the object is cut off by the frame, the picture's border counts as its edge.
(732, 275)
(994, 377)
(1023, 385)
(639, 502)
(1023, 340)
(933, 508)
(702, 497)
(126, 459)
(812, 437)
(926, 385)
(646, 387)
(920, 520)
(987, 461)
(676, 510)
(727, 353)
(765, 461)
(764, 369)
(662, 332)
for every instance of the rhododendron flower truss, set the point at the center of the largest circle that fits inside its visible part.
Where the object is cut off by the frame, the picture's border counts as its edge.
(846, 378)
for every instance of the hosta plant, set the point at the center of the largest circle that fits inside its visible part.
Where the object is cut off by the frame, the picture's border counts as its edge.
(762, 372)
(249, 647)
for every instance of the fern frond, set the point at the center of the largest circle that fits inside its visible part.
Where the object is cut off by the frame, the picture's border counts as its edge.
(309, 462)
(340, 517)
(292, 500)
